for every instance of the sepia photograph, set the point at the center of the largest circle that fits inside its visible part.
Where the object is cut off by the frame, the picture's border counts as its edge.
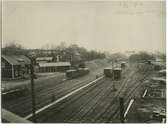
(85, 61)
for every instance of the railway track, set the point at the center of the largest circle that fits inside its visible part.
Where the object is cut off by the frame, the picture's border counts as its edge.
(17, 105)
(22, 106)
(38, 88)
(96, 103)
(81, 109)
(44, 98)
(94, 109)
(67, 95)
(111, 109)
(110, 106)
(60, 107)
(129, 94)
(88, 107)
(127, 98)
(87, 111)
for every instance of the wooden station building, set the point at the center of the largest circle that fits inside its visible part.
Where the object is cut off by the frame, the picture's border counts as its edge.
(14, 66)
(54, 66)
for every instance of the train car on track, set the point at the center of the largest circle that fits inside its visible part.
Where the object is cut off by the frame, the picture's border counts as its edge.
(108, 72)
(123, 64)
(117, 73)
(114, 73)
(74, 73)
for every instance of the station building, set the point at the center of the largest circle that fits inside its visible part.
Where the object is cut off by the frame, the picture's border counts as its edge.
(53, 67)
(14, 66)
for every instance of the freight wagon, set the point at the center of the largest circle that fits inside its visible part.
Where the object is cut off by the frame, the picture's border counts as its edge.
(123, 64)
(113, 73)
(117, 73)
(108, 72)
(74, 73)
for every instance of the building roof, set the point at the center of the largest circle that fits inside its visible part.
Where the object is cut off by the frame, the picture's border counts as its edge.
(108, 68)
(71, 70)
(123, 62)
(54, 64)
(44, 58)
(83, 69)
(117, 69)
(16, 59)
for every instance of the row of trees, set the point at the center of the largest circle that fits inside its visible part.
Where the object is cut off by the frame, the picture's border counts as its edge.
(66, 52)
(78, 53)
(14, 48)
(137, 57)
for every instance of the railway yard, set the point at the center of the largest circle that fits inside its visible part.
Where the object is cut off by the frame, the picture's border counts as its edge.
(93, 97)
(83, 61)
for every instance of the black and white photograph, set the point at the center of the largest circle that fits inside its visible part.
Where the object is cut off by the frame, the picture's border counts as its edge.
(83, 61)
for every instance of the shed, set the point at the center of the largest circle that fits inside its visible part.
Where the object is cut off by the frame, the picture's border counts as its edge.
(54, 66)
(14, 66)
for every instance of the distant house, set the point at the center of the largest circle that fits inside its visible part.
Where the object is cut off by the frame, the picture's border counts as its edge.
(14, 66)
(54, 66)
(44, 59)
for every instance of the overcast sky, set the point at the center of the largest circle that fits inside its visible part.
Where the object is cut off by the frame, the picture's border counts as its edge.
(110, 26)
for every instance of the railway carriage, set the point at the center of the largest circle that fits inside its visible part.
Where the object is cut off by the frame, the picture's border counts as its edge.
(70, 73)
(114, 73)
(74, 73)
(123, 64)
(117, 73)
(108, 72)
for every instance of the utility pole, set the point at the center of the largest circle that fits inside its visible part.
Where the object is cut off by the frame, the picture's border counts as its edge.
(113, 76)
(112, 64)
(121, 109)
(33, 90)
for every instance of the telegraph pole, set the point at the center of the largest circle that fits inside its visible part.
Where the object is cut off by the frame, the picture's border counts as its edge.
(33, 90)
(121, 109)
(113, 75)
